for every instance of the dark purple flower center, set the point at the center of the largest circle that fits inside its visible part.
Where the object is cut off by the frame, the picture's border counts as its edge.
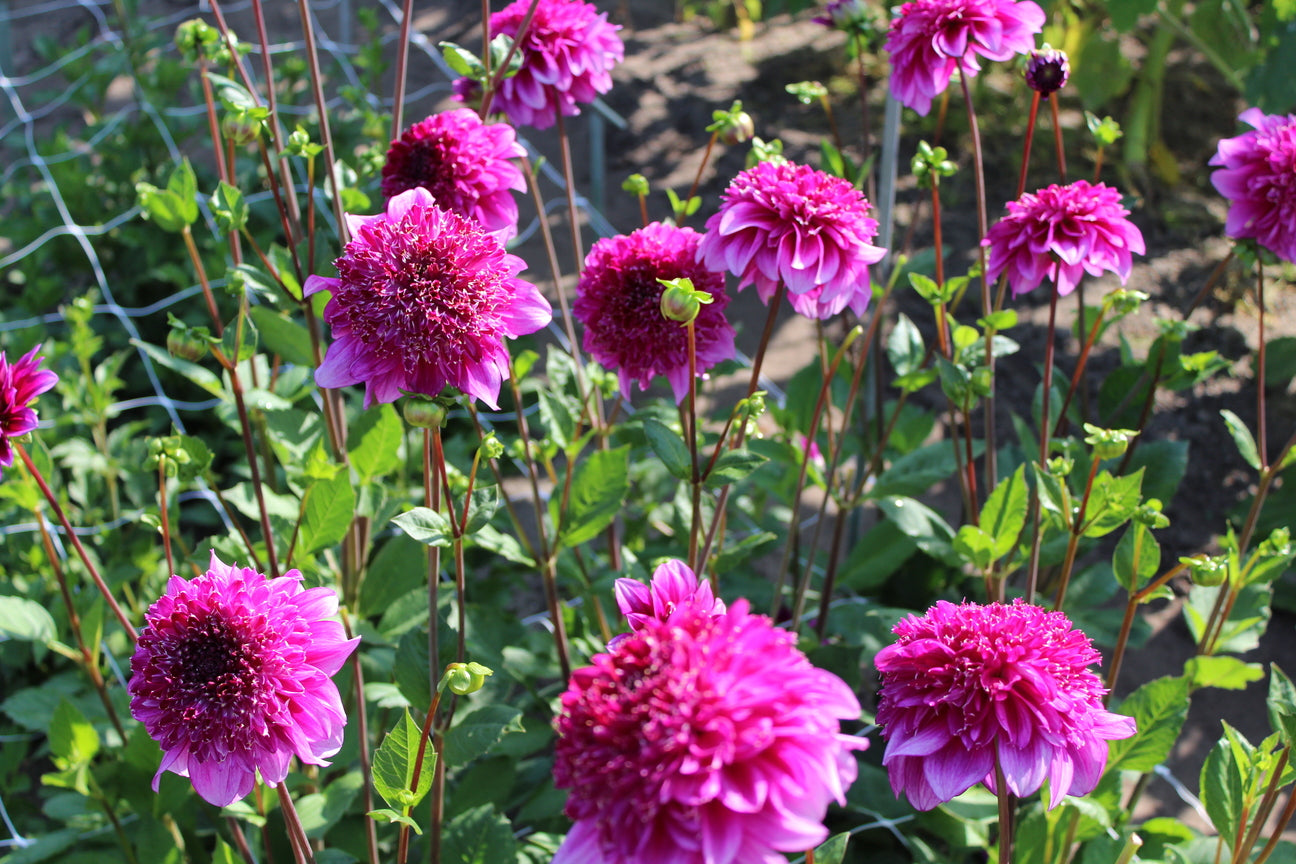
(435, 165)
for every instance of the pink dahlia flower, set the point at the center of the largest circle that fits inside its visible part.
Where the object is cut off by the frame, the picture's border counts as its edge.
(1061, 233)
(794, 225)
(965, 682)
(701, 738)
(424, 299)
(675, 589)
(232, 676)
(930, 39)
(567, 52)
(1258, 176)
(466, 164)
(20, 383)
(618, 300)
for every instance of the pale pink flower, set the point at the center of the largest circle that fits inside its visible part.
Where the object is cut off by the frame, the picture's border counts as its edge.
(701, 739)
(20, 383)
(1258, 176)
(931, 39)
(791, 224)
(618, 299)
(568, 51)
(232, 677)
(964, 683)
(466, 164)
(424, 298)
(1061, 233)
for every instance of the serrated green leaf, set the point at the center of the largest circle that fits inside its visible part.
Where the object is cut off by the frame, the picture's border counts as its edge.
(916, 472)
(1222, 788)
(229, 207)
(1112, 502)
(1242, 438)
(328, 508)
(183, 183)
(1159, 709)
(373, 443)
(558, 418)
(482, 508)
(927, 528)
(393, 765)
(1137, 557)
(669, 447)
(832, 850)
(479, 836)
(411, 669)
(26, 620)
(425, 525)
(1004, 513)
(1281, 704)
(598, 489)
(975, 545)
(71, 737)
(385, 815)
(1224, 672)
(733, 466)
(283, 336)
(475, 735)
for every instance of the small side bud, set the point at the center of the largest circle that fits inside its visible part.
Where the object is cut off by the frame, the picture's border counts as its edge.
(1108, 443)
(1207, 572)
(423, 413)
(465, 678)
(636, 184)
(681, 301)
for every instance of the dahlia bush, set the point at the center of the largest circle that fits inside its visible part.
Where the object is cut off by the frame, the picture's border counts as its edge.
(865, 581)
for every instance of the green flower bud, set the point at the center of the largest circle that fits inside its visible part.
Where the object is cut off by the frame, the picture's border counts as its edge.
(185, 345)
(1207, 572)
(423, 413)
(491, 447)
(1060, 466)
(1108, 443)
(636, 184)
(681, 301)
(465, 678)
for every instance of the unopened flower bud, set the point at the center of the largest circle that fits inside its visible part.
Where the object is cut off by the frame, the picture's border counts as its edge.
(465, 678)
(1061, 466)
(1207, 572)
(240, 129)
(681, 301)
(1108, 443)
(636, 184)
(183, 344)
(1047, 70)
(741, 129)
(491, 447)
(423, 413)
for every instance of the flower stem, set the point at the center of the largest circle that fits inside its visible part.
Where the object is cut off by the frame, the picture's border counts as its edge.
(991, 469)
(1289, 809)
(1122, 640)
(1037, 539)
(1077, 530)
(695, 478)
(498, 74)
(697, 178)
(76, 541)
(402, 65)
(322, 115)
(1057, 139)
(296, 833)
(1079, 371)
(569, 182)
(1026, 147)
(362, 734)
(402, 843)
(1262, 443)
(1005, 812)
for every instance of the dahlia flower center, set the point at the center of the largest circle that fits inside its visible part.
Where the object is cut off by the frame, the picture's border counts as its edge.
(434, 164)
(412, 296)
(213, 663)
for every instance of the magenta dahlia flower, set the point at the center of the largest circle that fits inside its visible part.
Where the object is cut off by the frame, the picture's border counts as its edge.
(701, 738)
(930, 39)
(232, 677)
(618, 299)
(1258, 176)
(800, 227)
(20, 383)
(466, 164)
(424, 299)
(1061, 233)
(568, 51)
(674, 586)
(966, 683)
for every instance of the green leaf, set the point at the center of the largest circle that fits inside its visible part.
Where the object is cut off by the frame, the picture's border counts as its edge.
(927, 528)
(26, 620)
(1004, 513)
(877, 555)
(1136, 558)
(393, 765)
(832, 850)
(482, 508)
(72, 739)
(283, 336)
(240, 340)
(411, 669)
(669, 447)
(184, 185)
(504, 545)
(558, 419)
(1222, 786)
(204, 378)
(905, 347)
(1281, 704)
(598, 490)
(733, 466)
(1242, 438)
(373, 443)
(975, 545)
(328, 508)
(475, 735)
(426, 526)
(916, 472)
(1112, 502)
(385, 815)
(229, 208)
(462, 60)
(1224, 672)
(479, 836)
(1159, 709)
(320, 811)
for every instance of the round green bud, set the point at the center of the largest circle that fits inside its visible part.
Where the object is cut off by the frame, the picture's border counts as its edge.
(423, 413)
(465, 678)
